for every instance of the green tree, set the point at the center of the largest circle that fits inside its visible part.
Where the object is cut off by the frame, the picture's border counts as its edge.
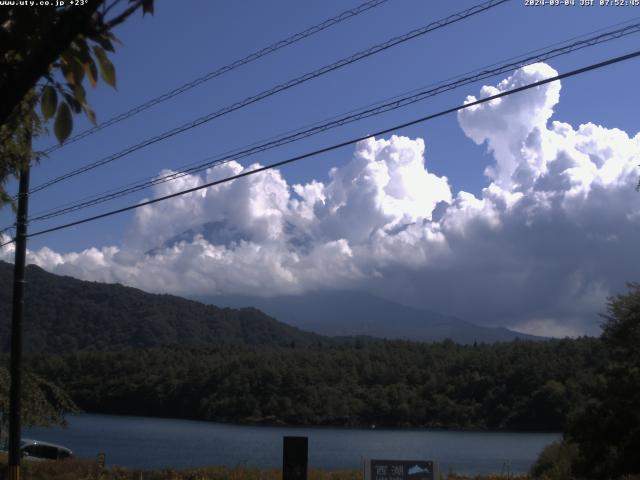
(43, 403)
(607, 430)
(47, 55)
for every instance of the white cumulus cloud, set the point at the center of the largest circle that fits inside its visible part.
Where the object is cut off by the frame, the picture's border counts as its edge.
(551, 235)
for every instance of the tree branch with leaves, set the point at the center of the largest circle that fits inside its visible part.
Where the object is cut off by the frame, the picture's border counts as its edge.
(47, 55)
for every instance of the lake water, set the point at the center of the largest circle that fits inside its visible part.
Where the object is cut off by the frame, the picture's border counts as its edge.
(146, 443)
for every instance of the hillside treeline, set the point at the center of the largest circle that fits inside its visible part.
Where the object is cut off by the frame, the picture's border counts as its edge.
(520, 385)
(64, 314)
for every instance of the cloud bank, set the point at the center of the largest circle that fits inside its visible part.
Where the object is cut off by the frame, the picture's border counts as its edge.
(539, 249)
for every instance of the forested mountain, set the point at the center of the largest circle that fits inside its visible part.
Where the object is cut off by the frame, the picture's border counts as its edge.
(517, 385)
(64, 314)
(349, 313)
(137, 353)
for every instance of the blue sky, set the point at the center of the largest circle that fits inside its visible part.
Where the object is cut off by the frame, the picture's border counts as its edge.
(185, 40)
(182, 41)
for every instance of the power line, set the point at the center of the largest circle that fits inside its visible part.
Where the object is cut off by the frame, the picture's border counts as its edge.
(520, 62)
(279, 88)
(222, 70)
(398, 102)
(281, 163)
(6, 229)
(338, 120)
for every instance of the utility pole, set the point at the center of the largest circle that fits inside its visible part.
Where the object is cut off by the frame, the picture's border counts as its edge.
(16, 320)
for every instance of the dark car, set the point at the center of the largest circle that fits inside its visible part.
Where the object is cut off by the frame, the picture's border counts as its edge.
(37, 450)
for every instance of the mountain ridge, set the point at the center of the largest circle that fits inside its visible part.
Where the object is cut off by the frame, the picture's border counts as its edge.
(351, 313)
(66, 314)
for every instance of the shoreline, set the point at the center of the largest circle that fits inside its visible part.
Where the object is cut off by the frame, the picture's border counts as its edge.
(156, 443)
(324, 426)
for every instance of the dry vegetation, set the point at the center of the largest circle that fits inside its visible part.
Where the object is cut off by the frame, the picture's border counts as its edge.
(88, 470)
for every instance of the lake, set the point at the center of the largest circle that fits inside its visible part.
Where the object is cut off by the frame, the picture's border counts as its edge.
(147, 443)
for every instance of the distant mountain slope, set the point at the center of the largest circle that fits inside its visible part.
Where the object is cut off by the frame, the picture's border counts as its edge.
(354, 313)
(63, 314)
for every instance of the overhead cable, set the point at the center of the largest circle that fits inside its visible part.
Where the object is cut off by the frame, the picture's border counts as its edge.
(397, 102)
(277, 89)
(385, 131)
(222, 70)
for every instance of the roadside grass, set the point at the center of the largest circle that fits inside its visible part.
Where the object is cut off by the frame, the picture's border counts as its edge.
(75, 469)
(88, 470)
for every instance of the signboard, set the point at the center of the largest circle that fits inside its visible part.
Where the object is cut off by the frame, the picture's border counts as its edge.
(400, 470)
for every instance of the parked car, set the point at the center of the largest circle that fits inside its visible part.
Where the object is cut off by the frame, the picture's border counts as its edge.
(37, 450)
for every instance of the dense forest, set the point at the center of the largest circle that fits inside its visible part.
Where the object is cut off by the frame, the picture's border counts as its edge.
(130, 352)
(519, 385)
(65, 314)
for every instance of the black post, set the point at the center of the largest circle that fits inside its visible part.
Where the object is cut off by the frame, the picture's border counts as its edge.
(16, 324)
(294, 458)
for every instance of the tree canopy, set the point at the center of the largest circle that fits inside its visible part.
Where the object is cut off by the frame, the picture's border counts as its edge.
(607, 429)
(47, 55)
(518, 385)
(43, 403)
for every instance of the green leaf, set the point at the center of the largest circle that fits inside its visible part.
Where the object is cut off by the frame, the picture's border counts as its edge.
(92, 72)
(107, 70)
(49, 102)
(64, 122)
(73, 103)
(81, 49)
(78, 70)
(104, 41)
(81, 95)
(67, 73)
(113, 38)
(91, 115)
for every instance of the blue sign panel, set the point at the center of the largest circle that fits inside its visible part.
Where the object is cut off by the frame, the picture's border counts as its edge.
(401, 470)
